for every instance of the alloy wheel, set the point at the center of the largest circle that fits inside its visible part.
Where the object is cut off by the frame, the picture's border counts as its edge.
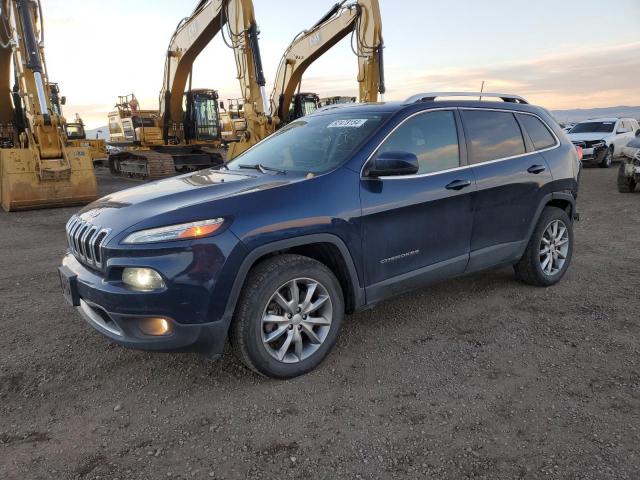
(296, 320)
(554, 247)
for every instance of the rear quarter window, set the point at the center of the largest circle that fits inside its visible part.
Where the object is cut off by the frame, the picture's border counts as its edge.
(538, 132)
(492, 135)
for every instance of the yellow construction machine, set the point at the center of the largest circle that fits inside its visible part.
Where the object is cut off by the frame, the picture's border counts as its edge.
(37, 168)
(336, 100)
(185, 133)
(232, 120)
(75, 131)
(363, 21)
(360, 18)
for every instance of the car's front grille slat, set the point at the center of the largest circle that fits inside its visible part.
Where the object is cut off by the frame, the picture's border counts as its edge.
(85, 241)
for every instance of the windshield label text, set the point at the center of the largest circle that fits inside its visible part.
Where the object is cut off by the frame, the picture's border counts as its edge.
(355, 123)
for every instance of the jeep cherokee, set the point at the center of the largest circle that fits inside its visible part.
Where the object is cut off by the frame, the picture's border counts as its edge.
(334, 213)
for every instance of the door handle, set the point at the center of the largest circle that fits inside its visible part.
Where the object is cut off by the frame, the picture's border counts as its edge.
(458, 184)
(536, 169)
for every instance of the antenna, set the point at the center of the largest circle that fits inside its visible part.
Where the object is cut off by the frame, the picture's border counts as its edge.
(481, 90)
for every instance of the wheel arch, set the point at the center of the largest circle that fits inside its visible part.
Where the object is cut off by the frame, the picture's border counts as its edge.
(562, 200)
(326, 248)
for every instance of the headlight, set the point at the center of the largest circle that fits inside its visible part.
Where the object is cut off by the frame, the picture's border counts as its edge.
(142, 278)
(182, 231)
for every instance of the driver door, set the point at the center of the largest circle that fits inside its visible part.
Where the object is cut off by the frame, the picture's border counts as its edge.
(417, 228)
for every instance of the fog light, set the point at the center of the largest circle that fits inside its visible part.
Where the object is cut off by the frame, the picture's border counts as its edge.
(154, 326)
(142, 278)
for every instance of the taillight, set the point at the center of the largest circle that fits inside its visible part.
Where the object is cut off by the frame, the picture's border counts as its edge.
(580, 153)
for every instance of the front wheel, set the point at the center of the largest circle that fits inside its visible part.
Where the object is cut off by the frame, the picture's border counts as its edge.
(288, 317)
(608, 159)
(549, 251)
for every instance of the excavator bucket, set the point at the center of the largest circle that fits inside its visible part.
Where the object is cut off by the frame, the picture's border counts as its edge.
(27, 182)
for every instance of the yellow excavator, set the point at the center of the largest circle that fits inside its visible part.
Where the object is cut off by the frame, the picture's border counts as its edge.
(363, 21)
(37, 168)
(155, 144)
(360, 18)
(75, 132)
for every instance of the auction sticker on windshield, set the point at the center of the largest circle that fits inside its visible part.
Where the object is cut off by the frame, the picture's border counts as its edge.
(354, 123)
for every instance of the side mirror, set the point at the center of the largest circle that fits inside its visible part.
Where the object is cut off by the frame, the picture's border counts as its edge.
(63, 100)
(392, 163)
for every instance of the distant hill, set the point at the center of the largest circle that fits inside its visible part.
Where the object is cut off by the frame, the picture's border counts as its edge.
(104, 132)
(580, 114)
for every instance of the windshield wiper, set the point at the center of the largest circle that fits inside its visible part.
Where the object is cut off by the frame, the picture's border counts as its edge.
(263, 169)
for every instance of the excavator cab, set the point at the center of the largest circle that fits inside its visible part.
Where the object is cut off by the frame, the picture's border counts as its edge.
(303, 104)
(75, 131)
(201, 116)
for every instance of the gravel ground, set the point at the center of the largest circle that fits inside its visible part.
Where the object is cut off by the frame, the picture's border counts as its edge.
(477, 377)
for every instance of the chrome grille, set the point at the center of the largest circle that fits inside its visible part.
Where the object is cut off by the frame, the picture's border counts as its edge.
(85, 241)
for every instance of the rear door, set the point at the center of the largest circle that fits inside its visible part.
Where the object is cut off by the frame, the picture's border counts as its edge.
(416, 228)
(510, 179)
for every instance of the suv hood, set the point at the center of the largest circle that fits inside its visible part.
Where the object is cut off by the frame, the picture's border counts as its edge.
(582, 137)
(129, 207)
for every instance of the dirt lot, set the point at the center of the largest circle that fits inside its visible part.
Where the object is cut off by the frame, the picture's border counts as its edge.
(478, 377)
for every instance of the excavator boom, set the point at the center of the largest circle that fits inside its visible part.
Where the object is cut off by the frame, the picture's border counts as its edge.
(362, 19)
(194, 33)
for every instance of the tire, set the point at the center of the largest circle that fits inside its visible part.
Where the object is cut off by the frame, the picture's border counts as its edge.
(249, 333)
(531, 268)
(608, 159)
(625, 184)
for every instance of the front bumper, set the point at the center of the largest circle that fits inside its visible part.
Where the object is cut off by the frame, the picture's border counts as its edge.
(594, 155)
(117, 312)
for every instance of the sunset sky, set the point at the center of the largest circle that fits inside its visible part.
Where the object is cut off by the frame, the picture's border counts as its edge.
(559, 54)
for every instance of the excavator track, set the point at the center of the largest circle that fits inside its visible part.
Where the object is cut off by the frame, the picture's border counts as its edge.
(148, 165)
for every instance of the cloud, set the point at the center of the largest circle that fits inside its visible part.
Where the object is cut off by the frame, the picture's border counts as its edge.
(586, 79)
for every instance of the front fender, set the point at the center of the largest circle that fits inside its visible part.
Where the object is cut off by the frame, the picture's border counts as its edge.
(254, 255)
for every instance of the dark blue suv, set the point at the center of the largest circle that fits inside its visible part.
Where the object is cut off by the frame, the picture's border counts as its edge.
(333, 213)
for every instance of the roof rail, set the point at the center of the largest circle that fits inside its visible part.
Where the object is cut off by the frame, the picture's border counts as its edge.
(431, 96)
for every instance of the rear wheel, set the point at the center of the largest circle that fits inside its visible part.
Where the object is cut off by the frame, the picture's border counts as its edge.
(288, 316)
(625, 184)
(549, 251)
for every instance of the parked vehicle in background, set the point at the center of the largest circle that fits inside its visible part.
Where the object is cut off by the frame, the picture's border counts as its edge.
(629, 170)
(602, 139)
(334, 213)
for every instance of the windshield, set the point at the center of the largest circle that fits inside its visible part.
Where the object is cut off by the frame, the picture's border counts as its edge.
(314, 144)
(593, 127)
(74, 130)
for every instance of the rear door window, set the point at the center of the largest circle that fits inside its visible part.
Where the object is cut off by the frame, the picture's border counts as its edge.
(492, 135)
(540, 135)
